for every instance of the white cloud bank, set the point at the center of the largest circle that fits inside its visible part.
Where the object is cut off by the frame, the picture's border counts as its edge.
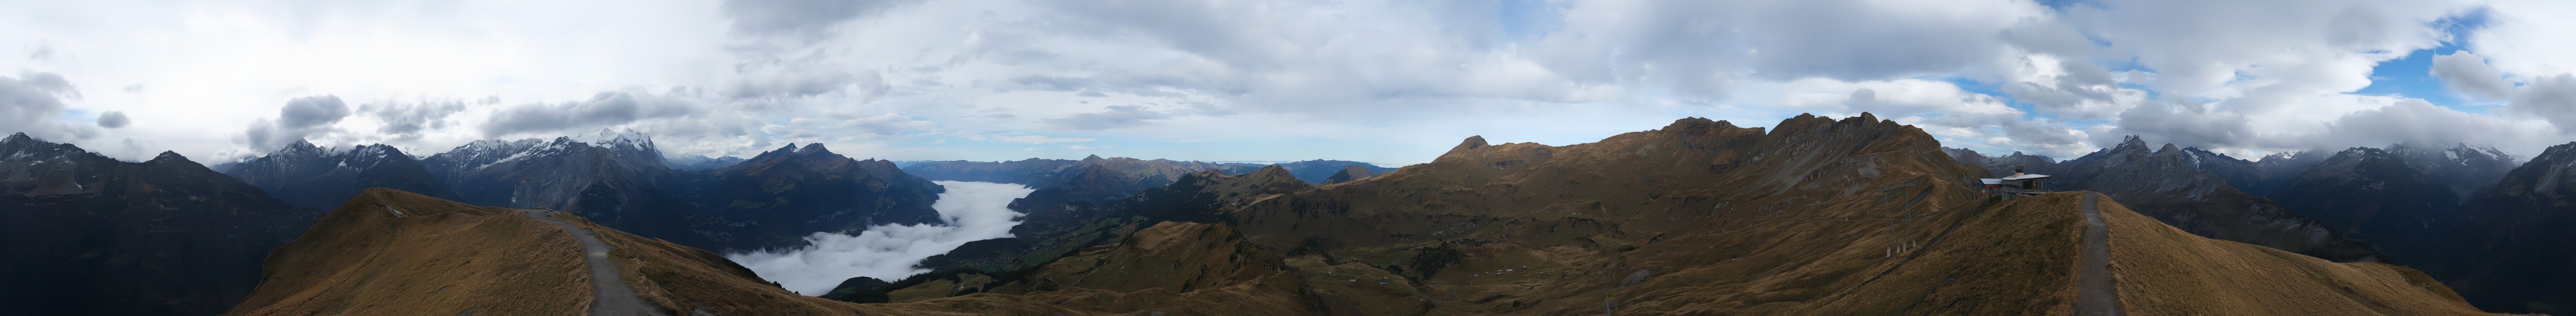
(974, 211)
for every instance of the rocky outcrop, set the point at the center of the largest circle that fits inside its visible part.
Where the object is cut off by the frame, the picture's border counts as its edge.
(84, 234)
(311, 177)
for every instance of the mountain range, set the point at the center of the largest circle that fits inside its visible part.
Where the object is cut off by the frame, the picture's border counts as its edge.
(85, 234)
(1697, 217)
(1814, 216)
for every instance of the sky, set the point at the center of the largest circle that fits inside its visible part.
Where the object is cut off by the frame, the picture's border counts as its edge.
(1389, 82)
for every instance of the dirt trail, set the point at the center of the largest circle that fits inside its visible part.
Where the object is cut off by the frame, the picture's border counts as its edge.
(2098, 296)
(611, 295)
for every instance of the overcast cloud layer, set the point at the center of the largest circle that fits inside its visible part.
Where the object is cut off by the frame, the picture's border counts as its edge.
(1380, 81)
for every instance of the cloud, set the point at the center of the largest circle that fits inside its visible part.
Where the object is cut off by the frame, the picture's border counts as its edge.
(113, 119)
(312, 111)
(2414, 121)
(2077, 91)
(2526, 37)
(799, 16)
(301, 118)
(2551, 97)
(2181, 122)
(776, 81)
(1117, 116)
(608, 108)
(31, 103)
(410, 120)
(1026, 139)
(971, 211)
(2469, 75)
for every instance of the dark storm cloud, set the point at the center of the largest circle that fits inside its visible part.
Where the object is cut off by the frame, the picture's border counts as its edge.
(1117, 116)
(603, 109)
(113, 119)
(312, 111)
(799, 16)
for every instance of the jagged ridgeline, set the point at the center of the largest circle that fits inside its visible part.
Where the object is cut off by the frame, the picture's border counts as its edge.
(620, 178)
(1815, 216)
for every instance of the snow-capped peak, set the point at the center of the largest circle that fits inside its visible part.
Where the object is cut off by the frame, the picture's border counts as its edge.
(606, 138)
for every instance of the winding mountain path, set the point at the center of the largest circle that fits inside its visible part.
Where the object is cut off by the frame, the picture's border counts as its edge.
(611, 295)
(2097, 296)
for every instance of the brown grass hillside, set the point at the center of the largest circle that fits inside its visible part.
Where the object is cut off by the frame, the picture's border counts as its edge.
(2161, 272)
(1814, 217)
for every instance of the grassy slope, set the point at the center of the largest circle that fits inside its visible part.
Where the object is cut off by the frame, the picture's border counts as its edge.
(2165, 271)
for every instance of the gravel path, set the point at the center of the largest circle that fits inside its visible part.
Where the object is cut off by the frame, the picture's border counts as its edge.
(612, 297)
(2098, 295)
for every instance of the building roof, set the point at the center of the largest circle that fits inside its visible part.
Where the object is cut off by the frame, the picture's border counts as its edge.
(2026, 177)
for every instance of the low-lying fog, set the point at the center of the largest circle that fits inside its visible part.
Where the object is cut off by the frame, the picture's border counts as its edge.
(973, 211)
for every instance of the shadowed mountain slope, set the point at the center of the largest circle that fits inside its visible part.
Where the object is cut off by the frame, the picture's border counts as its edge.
(2508, 248)
(2185, 188)
(312, 177)
(84, 234)
(774, 199)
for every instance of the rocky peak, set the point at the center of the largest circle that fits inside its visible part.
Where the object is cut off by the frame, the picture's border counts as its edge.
(814, 149)
(1271, 172)
(300, 149)
(16, 137)
(1472, 143)
(1092, 158)
(611, 139)
(169, 157)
